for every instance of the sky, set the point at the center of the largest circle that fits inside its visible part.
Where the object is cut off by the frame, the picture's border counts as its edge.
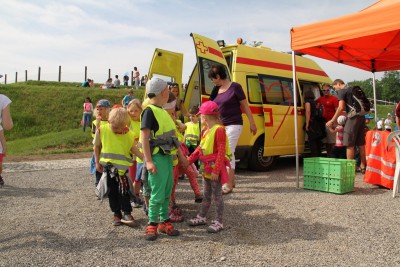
(121, 34)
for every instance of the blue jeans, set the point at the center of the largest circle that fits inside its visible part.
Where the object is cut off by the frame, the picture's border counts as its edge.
(87, 120)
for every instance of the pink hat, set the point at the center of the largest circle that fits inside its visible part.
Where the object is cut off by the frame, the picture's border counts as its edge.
(209, 108)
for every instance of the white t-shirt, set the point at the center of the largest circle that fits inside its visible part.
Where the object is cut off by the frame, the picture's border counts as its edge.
(136, 75)
(388, 124)
(379, 124)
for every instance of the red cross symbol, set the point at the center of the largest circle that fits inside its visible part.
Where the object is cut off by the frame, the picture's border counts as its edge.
(200, 46)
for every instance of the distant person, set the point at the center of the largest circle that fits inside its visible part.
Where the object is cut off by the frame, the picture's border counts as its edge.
(379, 124)
(6, 123)
(145, 80)
(354, 130)
(117, 82)
(128, 98)
(398, 115)
(388, 123)
(315, 128)
(86, 83)
(91, 83)
(126, 79)
(87, 113)
(136, 77)
(330, 104)
(108, 84)
(179, 107)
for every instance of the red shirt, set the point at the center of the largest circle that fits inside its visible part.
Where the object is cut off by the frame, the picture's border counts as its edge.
(330, 104)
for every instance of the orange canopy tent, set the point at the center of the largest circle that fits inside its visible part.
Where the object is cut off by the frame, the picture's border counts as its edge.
(368, 40)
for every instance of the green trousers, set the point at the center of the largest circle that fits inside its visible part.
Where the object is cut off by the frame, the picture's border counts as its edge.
(161, 188)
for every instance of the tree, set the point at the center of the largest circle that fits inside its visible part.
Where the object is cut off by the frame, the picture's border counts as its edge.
(391, 85)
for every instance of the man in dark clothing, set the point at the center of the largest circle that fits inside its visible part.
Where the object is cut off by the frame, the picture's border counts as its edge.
(354, 129)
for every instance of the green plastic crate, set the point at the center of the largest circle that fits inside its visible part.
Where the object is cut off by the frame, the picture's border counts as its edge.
(329, 175)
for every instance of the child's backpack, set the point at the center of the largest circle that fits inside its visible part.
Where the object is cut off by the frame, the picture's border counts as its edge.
(357, 102)
(87, 107)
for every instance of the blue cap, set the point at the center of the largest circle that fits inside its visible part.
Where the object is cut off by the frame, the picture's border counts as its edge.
(103, 103)
(367, 116)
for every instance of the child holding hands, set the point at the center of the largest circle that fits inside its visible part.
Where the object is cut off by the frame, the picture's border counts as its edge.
(214, 155)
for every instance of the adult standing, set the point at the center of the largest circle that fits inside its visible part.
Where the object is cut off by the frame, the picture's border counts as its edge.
(314, 126)
(136, 77)
(230, 98)
(354, 129)
(330, 104)
(179, 107)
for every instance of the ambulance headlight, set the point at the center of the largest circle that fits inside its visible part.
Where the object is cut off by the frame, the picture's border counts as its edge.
(221, 43)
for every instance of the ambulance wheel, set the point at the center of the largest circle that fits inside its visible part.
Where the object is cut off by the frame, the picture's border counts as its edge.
(258, 162)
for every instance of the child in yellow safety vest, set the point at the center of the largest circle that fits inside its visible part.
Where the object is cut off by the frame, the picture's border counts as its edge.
(214, 155)
(175, 212)
(192, 132)
(113, 149)
(134, 108)
(159, 144)
(103, 108)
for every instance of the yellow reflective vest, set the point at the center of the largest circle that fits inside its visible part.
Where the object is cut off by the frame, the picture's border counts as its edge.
(192, 134)
(165, 138)
(116, 148)
(207, 146)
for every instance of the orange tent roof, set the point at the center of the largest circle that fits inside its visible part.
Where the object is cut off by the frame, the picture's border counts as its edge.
(368, 39)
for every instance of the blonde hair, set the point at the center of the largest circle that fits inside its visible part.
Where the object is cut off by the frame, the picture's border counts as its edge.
(119, 117)
(135, 102)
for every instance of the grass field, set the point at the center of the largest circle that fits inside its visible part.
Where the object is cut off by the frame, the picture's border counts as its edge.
(47, 116)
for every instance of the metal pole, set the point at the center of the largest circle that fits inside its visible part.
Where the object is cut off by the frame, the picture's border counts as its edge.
(131, 78)
(109, 73)
(26, 75)
(85, 73)
(16, 77)
(296, 141)
(59, 73)
(5, 78)
(39, 74)
(374, 90)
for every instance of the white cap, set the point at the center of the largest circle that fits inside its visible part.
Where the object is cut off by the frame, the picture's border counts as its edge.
(341, 120)
(155, 86)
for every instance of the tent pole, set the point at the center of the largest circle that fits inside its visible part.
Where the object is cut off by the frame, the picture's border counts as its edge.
(296, 142)
(375, 106)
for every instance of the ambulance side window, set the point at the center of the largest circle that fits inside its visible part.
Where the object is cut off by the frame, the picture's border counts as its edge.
(253, 90)
(277, 90)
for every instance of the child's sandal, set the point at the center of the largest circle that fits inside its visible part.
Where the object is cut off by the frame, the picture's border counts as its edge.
(215, 227)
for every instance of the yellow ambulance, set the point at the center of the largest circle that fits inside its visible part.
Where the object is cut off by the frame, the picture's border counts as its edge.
(266, 78)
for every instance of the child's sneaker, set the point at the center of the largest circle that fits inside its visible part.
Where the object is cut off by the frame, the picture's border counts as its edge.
(215, 227)
(198, 198)
(151, 232)
(1, 181)
(175, 218)
(128, 219)
(117, 220)
(167, 228)
(198, 220)
(137, 203)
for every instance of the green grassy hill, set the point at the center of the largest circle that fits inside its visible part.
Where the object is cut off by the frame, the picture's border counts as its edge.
(47, 115)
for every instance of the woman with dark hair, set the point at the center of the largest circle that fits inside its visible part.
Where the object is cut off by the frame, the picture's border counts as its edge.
(315, 128)
(230, 98)
(180, 107)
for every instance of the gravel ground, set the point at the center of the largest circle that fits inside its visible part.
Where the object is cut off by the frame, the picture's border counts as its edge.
(51, 217)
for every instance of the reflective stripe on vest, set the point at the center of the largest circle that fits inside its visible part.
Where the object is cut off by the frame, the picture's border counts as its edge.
(207, 146)
(192, 133)
(163, 138)
(116, 148)
(381, 164)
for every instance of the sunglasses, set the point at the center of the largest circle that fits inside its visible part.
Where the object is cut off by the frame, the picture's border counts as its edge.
(326, 90)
